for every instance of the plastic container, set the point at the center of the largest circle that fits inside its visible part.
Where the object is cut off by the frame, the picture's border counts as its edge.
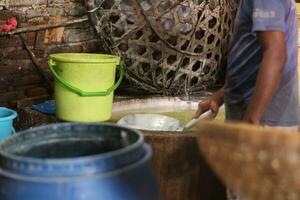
(6, 122)
(77, 162)
(84, 85)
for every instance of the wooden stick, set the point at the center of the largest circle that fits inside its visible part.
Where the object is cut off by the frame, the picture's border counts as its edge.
(38, 68)
(44, 26)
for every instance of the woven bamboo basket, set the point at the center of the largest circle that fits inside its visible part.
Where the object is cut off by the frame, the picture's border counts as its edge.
(258, 163)
(168, 46)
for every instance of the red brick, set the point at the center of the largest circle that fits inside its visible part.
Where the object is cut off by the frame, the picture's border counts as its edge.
(30, 38)
(6, 70)
(38, 91)
(18, 76)
(18, 81)
(23, 54)
(25, 87)
(13, 3)
(40, 40)
(71, 49)
(27, 80)
(25, 102)
(10, 41)
(15, 41)
(3, 88)
(7, 96)
(16, 67)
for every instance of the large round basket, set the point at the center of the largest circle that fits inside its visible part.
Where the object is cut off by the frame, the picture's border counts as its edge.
(257, 163)
(168, 46)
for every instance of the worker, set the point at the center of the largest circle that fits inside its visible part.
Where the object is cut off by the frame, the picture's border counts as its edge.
(261, 84)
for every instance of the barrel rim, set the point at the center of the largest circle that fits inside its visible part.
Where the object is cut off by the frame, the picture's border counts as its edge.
(12, 114)
(57, 161)
(147, 156)
(78, 58)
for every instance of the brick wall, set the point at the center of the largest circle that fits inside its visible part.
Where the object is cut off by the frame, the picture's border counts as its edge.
(18, 78)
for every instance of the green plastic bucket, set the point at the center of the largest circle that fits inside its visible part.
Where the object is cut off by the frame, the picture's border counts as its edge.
(84, 85)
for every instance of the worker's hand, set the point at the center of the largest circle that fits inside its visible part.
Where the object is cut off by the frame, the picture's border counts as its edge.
(212, 103)
(251, 117)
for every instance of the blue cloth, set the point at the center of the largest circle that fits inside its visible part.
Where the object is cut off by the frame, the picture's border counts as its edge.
(245, 56)
(47, 107)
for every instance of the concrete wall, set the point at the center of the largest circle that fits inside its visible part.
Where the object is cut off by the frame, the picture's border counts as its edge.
(18, 78)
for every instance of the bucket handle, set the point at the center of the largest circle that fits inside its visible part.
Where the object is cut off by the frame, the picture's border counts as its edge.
(78, 91)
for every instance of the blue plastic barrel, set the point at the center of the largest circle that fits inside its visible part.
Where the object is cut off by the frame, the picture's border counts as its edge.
(73, 161)
(6, 122)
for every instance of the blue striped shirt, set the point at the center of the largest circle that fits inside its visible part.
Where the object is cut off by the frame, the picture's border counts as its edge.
(245, 57)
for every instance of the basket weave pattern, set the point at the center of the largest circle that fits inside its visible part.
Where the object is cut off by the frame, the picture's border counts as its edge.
(258, 163)
(169, 46)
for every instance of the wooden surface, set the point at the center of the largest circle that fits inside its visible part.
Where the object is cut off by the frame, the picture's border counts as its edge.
(182, 172)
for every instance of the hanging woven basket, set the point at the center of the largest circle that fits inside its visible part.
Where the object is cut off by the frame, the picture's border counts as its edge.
(168, 46)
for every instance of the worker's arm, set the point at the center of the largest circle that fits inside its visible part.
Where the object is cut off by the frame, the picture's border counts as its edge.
(269, 75)
(212, 103)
